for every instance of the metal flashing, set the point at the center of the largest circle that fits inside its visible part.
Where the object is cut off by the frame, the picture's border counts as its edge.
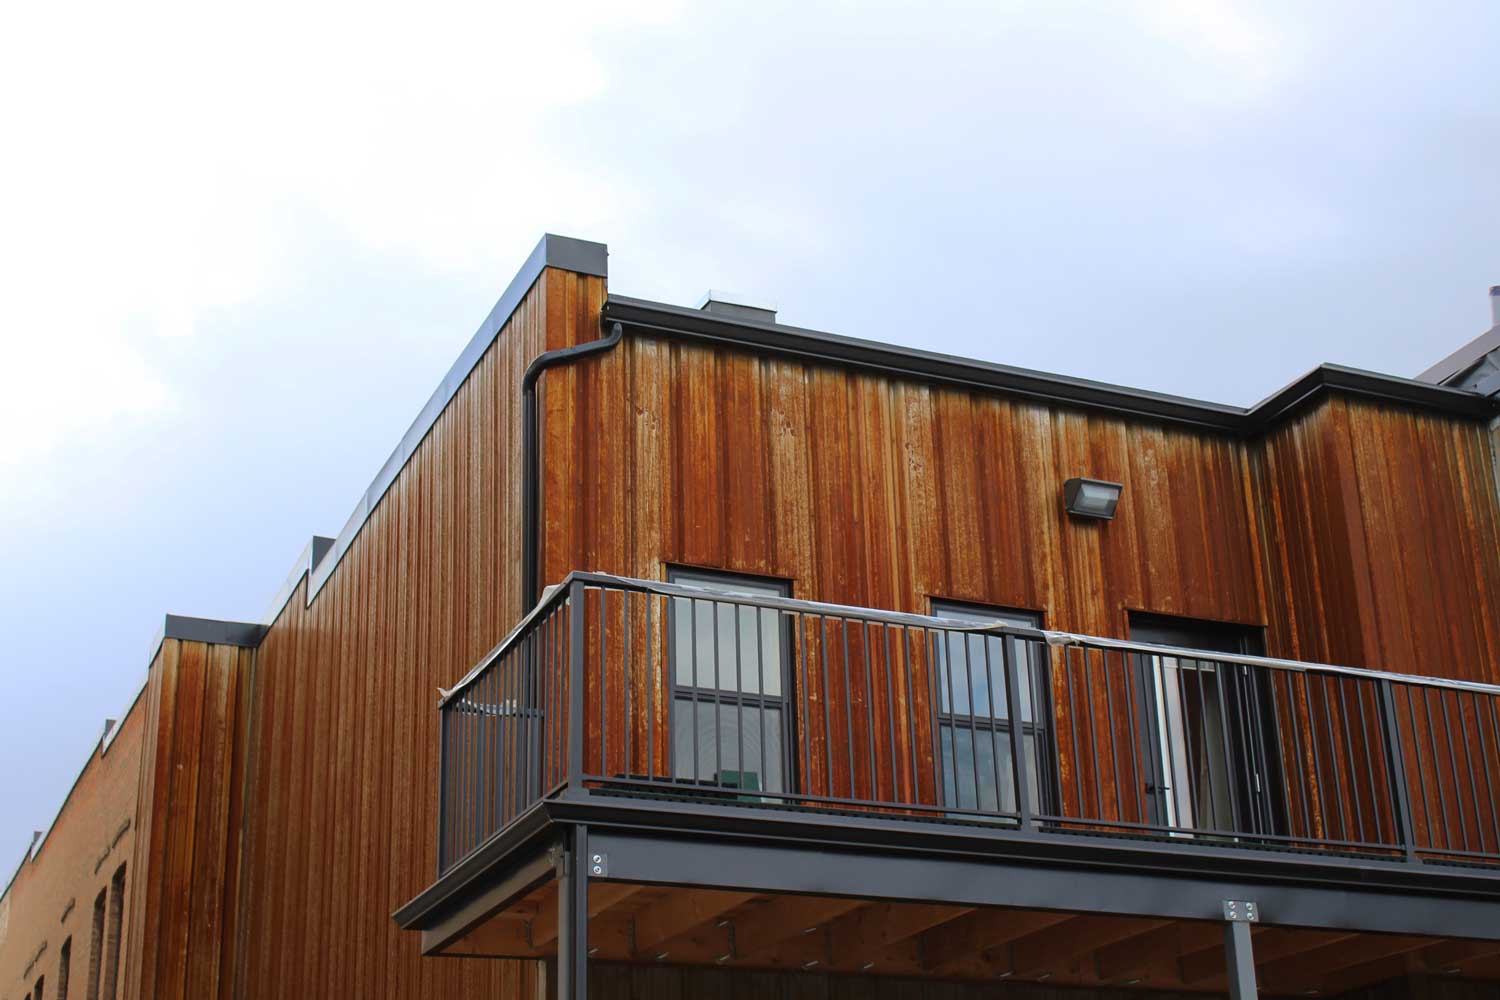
(312, 554)
(111, 728)
(819, 347)
(211, 630)
(562, 252)
(1464, 358)
(320, 545)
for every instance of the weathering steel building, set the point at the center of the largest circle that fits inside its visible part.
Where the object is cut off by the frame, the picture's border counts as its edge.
(679, 653)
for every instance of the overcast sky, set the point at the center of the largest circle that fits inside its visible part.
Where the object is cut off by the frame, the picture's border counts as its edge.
(239, 248)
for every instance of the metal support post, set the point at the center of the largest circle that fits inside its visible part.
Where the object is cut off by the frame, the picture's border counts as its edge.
(573, 916)
(1239, 958)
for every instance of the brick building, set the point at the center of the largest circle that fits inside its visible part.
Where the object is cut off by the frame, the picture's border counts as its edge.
(62, 915)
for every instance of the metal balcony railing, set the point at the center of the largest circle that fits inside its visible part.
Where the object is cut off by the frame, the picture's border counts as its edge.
(654, 689)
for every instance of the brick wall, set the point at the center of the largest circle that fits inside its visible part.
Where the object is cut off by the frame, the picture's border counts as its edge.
(51, 900)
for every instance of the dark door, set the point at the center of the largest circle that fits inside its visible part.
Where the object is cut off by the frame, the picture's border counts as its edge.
(1209, 730)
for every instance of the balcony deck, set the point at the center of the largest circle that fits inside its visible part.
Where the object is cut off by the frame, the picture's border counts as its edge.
(740, 756)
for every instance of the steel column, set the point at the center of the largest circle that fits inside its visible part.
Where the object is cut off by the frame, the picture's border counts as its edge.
(573, 916)
(1239, 955)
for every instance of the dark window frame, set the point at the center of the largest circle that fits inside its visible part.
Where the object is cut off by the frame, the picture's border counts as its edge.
(1041, 728)
(700, 576)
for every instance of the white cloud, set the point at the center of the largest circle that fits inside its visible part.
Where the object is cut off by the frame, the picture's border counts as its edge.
(1236, 55)
(161, 159)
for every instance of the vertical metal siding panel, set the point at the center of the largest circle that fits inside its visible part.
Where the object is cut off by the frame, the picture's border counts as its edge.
(205, 909)
(175, 926)
(237, 835)
(333, 975)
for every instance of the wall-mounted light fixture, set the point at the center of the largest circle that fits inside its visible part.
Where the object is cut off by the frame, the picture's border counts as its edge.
(1091, 498)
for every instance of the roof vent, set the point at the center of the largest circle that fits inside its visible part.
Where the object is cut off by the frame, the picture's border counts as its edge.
(732, 305)
(1495, 305)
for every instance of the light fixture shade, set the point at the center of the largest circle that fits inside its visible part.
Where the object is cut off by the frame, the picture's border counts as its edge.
(1094, 498)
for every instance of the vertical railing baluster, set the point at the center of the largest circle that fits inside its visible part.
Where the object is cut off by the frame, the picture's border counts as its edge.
(869, 714)
(1458, 794)
(951, 709)
(1364, 739)
(973, 733)
(910, 716)
(1067, 665)
(1359, 816)
(692, 604)
(1131, 681)
(1484, 758)
(1088, 694)
(934, 730)
(991, 735)
(890, 712)
(1338, 784)
(651, 685)
(1395, 759)
(1437, 776)
(739, 699)
(848, 711)
(1223, 677)
(823, 644)
(804, 721)
(1114, 754)
(629, 668)
(1463, 728)
(1187, 783)
(760, 681)
(1017, 736)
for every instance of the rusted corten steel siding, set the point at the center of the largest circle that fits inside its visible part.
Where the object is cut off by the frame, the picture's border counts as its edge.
(188, 853)
(1385, 540)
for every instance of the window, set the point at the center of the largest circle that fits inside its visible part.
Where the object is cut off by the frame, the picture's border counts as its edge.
(112, 933)
(730, 719)
(37, 993)
(975, 717)
(96, 946)
(64, 960)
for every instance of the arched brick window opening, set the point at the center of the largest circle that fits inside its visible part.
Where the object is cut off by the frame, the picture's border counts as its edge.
(112, 934)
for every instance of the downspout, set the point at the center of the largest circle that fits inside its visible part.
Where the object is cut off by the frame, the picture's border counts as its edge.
(531, 549)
